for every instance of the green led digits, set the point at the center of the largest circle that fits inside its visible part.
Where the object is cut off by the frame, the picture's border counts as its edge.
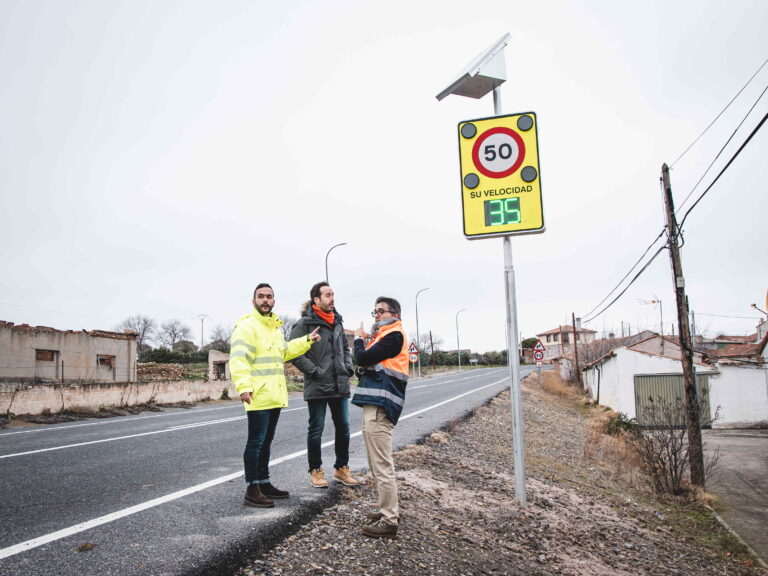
(499, 212)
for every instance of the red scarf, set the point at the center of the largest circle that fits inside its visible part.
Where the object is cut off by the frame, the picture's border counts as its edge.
(328, 317)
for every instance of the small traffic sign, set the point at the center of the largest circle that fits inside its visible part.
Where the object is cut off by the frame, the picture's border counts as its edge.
(414, 358)
(539, 346)
(538, 355)
(500, 181)
(412, 349)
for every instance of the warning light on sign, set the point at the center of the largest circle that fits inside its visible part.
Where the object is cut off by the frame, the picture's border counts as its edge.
(500, 177)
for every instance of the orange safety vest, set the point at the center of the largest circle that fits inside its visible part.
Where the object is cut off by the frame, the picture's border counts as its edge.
(399, 365)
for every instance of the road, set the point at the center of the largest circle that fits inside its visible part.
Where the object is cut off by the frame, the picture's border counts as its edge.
(161, 493)
(740, 481)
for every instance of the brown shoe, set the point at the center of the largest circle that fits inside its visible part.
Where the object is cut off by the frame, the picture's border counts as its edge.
(316, 478)
(374, 516)
(344, 476)
(254, 498)
(275, 493)
(380, 529)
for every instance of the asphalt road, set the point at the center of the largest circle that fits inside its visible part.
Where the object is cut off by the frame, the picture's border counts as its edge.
(740, 481)
(161, 493)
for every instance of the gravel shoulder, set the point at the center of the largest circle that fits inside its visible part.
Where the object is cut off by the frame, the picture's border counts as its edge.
(588, 512)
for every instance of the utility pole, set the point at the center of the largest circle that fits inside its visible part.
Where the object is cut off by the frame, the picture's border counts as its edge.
(575, 349)
(693, 424)
(202, 324)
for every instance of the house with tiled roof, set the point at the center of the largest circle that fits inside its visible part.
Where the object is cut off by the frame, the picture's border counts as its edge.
(626, 379)
(559, 341)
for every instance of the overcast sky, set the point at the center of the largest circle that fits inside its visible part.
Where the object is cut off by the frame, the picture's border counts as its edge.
(163, 157)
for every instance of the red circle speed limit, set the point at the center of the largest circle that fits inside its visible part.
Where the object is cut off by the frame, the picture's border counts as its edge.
(538, 356)
(498, 152)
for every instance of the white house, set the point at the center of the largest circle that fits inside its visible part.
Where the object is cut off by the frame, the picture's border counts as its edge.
(626, 378)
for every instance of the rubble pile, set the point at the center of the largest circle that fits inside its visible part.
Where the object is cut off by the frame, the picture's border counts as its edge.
(156, 371)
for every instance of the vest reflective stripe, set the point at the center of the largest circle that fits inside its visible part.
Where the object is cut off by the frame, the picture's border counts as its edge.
(267, 371)
(399, 365)
(243, 343)
(379, 393)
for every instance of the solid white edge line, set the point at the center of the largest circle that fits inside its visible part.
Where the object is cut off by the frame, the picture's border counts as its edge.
(83, 526)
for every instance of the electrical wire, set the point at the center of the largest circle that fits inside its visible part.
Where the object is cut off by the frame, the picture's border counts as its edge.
(722, 149)
(721, 113)
(628, 285)
(627, 274)
(751, 135)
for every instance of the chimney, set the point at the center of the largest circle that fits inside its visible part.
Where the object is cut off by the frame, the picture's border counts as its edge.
(578, 322)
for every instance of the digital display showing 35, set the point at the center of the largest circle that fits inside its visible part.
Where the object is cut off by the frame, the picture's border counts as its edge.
(500, 212)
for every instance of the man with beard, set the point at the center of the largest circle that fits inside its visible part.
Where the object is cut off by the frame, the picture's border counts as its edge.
(257, 353)
(327, 368)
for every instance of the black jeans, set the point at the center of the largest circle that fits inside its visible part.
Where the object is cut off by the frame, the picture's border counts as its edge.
(340, 416)
(261, 431)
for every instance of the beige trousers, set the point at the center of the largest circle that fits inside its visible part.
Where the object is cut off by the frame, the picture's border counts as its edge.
(377, 434)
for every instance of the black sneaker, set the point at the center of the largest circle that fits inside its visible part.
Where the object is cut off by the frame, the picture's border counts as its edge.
(271, 492)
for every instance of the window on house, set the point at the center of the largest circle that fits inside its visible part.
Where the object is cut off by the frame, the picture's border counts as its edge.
(549, 338)
(556, 336)
(105, 361)
(46, 355)
(565, 337)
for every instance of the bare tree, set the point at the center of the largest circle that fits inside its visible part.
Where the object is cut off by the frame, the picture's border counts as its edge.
(220, 337)
(144, 326)
(173, 331)
(662, 444)
(288, 322)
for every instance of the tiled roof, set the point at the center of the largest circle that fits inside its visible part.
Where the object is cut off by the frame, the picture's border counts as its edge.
(568, 329)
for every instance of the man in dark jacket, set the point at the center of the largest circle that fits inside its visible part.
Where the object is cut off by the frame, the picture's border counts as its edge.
(326, 368)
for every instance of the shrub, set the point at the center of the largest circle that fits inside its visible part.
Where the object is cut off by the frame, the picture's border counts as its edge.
(619, 423)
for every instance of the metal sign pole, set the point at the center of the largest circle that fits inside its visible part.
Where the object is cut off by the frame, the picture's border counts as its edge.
(512, 355)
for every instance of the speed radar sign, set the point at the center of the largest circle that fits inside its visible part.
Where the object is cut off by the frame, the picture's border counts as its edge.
(501, 185)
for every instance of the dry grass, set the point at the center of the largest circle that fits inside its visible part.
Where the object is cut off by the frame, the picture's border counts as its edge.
(552, 383)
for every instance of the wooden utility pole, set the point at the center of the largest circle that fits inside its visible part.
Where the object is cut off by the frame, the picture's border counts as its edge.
(575, 349)
(693, 424)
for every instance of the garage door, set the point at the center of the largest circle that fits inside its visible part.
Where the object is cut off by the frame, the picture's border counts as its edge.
(669, 388)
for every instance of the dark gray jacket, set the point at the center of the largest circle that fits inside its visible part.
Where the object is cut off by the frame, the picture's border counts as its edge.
(328, 364)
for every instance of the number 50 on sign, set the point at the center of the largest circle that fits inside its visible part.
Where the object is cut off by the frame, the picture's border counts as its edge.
(500, 180)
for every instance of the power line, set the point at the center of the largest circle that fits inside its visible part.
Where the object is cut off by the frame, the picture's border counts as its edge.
(751, 135)
(721, 113)
(627, 274)
(628, 285)
(722, 149)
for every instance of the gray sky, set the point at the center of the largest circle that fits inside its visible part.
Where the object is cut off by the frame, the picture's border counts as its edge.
(164, 157)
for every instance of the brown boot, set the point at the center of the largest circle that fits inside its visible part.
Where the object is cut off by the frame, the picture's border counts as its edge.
(344, 476)
(275, 493)
(380, 529)
(254, 498)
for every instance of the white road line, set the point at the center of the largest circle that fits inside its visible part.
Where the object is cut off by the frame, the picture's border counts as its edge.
(118, 420)
(172, 429)
(83, 526)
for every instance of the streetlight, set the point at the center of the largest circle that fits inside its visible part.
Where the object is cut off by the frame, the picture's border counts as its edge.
(202, 324)
(418, 336)
(326, 258)
(458, 345)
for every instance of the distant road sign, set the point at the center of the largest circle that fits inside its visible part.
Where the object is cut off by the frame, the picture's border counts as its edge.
(414, 358)
(539, 346)
(538, 355)
(412, 349)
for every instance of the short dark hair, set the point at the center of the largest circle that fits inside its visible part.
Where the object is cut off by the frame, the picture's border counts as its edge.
(394, 305)
(263, 285)
(314, 292)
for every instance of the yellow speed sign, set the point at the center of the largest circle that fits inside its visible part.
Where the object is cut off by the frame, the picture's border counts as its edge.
(500, 180)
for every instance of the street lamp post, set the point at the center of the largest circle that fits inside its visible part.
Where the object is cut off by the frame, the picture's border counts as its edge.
(326, 258)
(458, 344)
(418, 335)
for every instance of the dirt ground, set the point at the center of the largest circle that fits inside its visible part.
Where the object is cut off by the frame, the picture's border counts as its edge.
(588, 512)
